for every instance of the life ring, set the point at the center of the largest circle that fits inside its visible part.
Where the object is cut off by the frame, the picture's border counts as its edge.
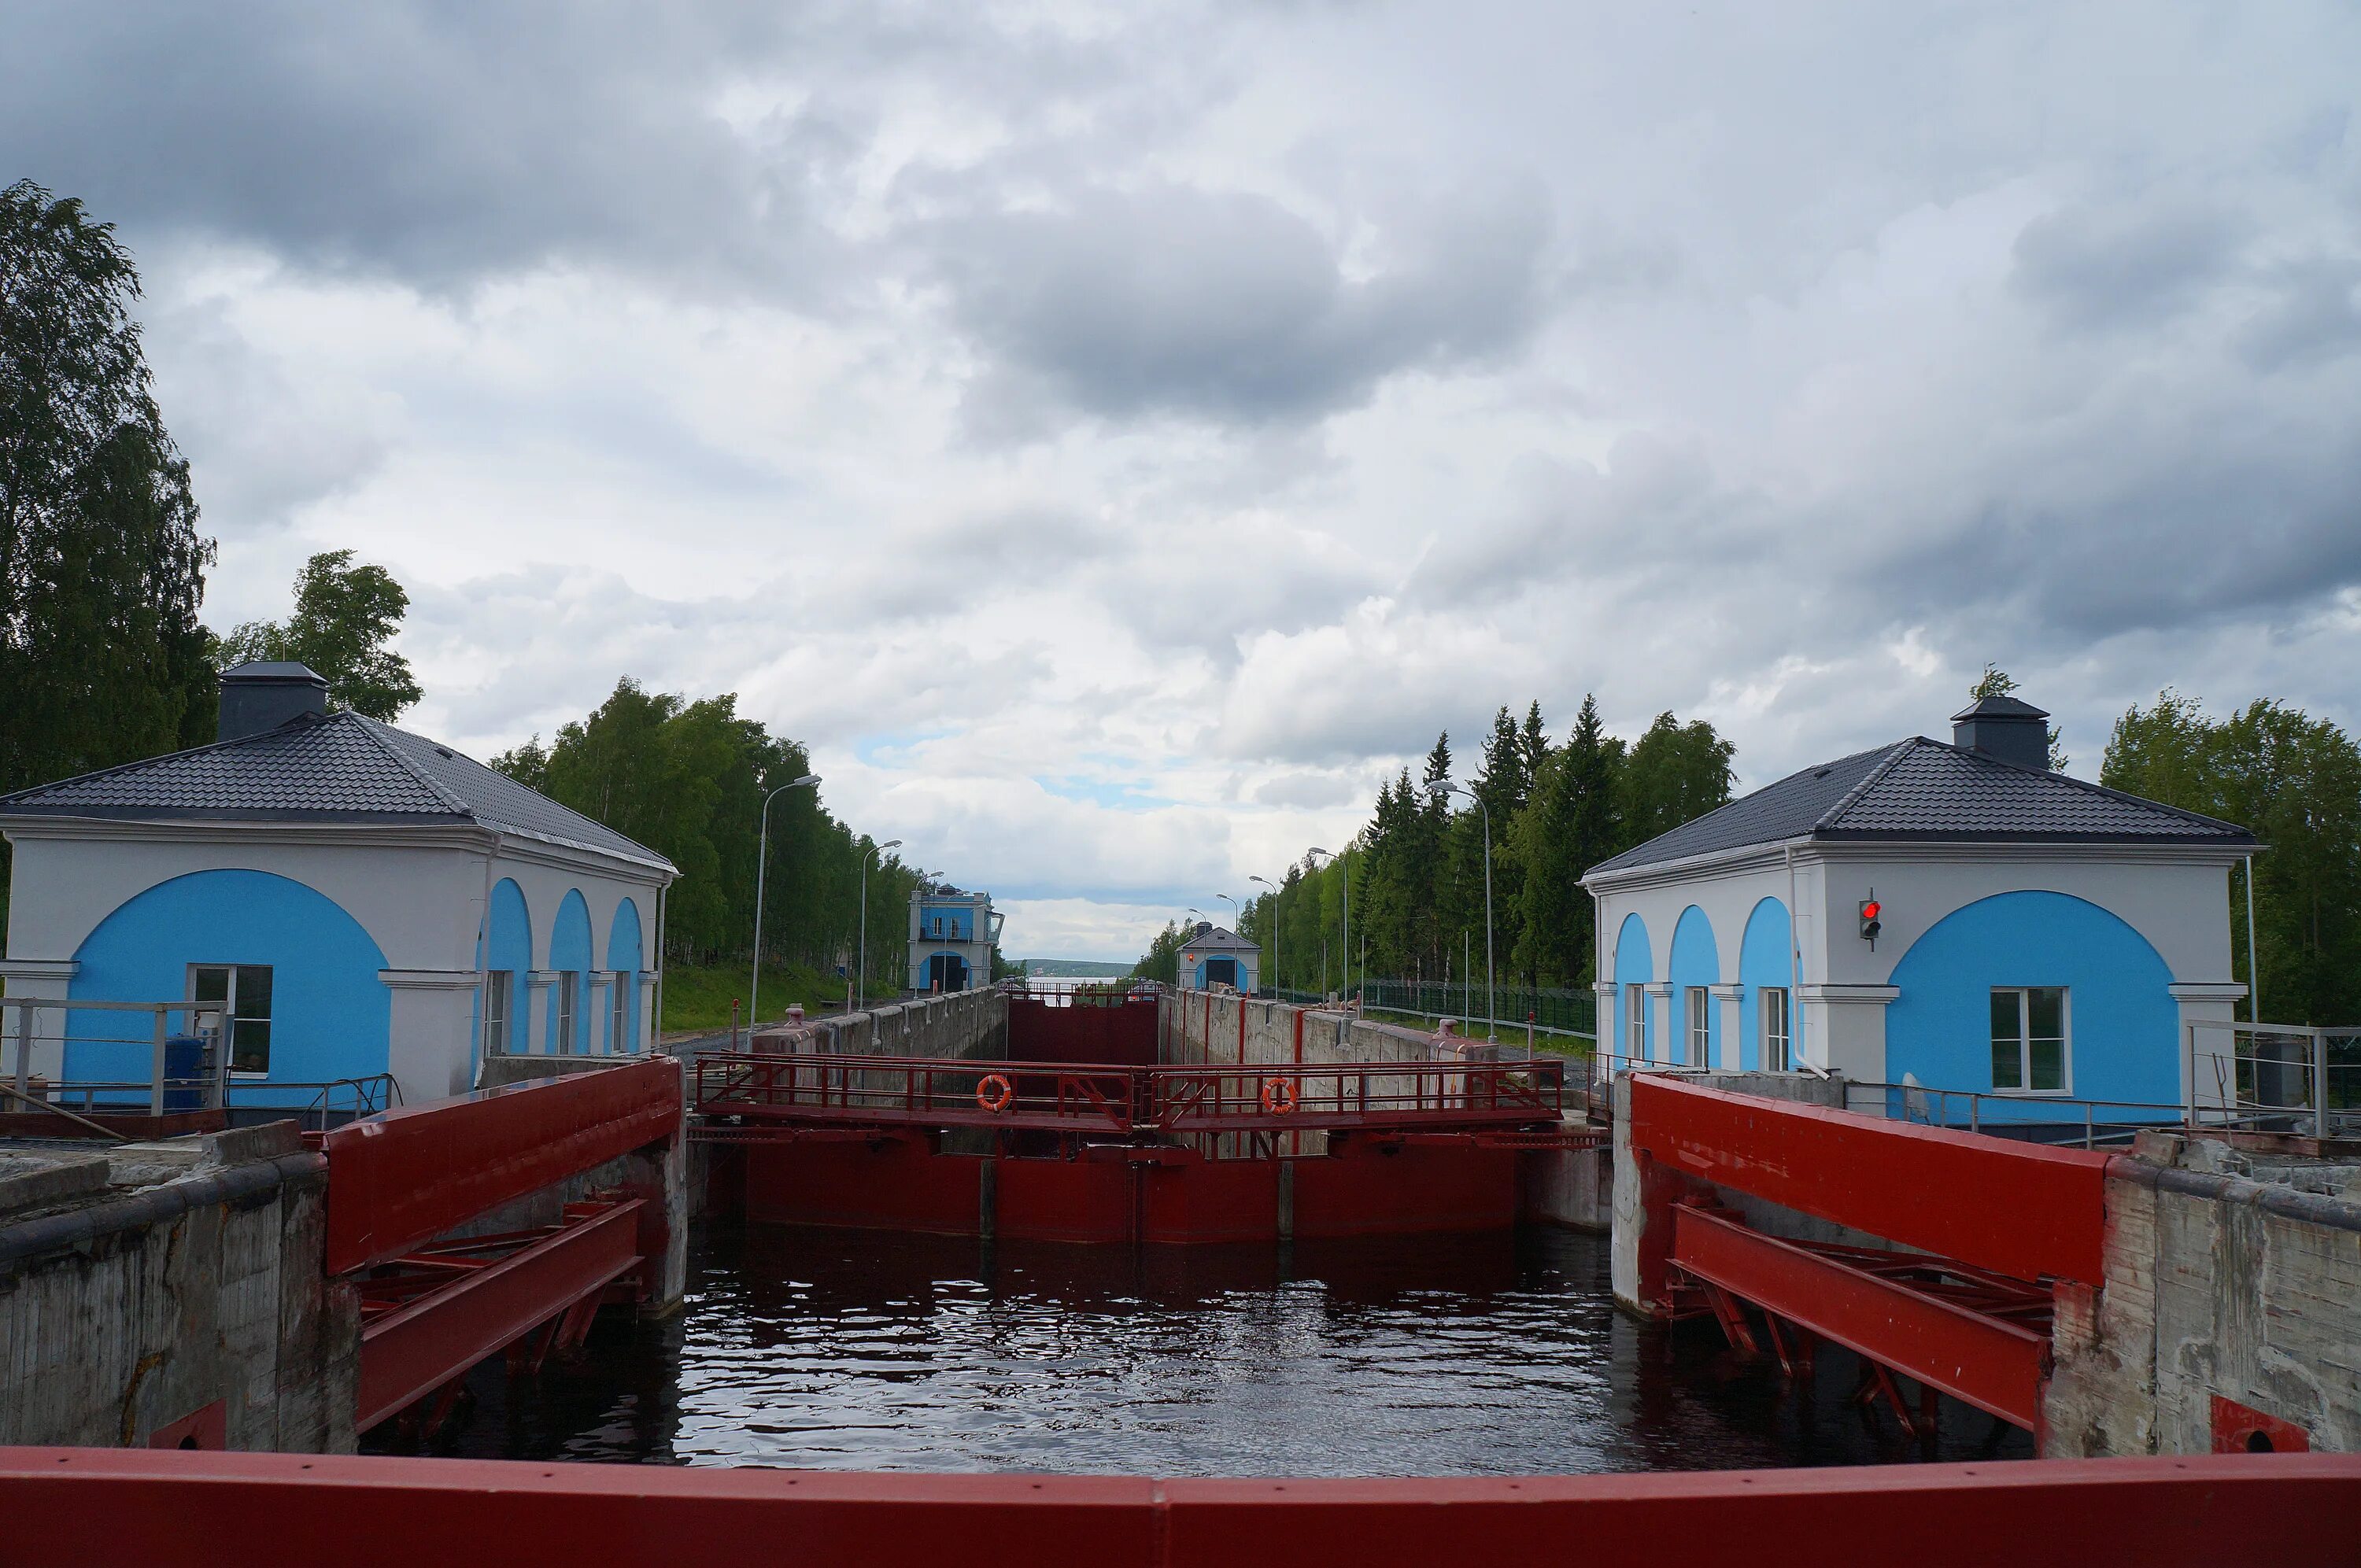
(994, 1094)
(1280, 1096)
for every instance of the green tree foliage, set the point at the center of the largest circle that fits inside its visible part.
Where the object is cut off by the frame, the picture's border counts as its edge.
(1417, 868)
(1162, 960)
(1995, 681)
(2295, 782)
(345, 622)
(102, 659)
(688, 779)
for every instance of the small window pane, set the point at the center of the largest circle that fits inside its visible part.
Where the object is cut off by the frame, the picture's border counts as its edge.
(250, 1045)
(211, 984)
(2045, 1008)
(254, 991)
(2048, 1064)
(2006, 1065)
(2006, 1018)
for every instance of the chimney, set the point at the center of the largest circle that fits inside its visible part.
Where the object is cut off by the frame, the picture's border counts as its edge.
(262, 696)
(2007, 730)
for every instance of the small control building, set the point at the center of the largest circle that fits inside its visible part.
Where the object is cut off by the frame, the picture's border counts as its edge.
(953, 936)
(1214, 957)
(1955, 915)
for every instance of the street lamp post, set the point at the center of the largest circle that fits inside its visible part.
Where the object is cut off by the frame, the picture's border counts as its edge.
(1348, 954)
(1492, 985)
(874, 851)
(1274, 924)
(762, 869)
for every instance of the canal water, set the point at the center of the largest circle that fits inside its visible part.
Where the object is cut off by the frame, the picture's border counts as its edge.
(1469, 1355)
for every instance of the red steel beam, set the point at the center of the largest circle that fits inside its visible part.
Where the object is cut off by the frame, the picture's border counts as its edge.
(410, 1352)
(1991, 1363)
(265, 1510)
(2013, 1208)
(409, 1175)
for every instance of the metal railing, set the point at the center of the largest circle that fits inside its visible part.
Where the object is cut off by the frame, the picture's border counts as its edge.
(1549, 1010)
(2296, 1078)
(2035, 1118)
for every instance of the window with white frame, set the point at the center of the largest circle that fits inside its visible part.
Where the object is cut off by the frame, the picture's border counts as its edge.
(618, 1012)
(1635, 1021)
(1776, 1040)
(1700, 1021)
(570, 983)
(244, 992)
(499, 1007)
(2031, 1054)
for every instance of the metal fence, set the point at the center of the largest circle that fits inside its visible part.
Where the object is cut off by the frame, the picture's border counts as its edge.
(2295, 1078)
(1550, 1009)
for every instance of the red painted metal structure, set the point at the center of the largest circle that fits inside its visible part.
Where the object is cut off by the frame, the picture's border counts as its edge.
(1084, 1027)
(431, 1310)
(1131, 1102)
(2002, 1226)
(262, 1510)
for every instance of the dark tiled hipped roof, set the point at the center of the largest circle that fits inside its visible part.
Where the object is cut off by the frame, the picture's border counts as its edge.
(1219, 940)
(340, 769)
(1919, 790)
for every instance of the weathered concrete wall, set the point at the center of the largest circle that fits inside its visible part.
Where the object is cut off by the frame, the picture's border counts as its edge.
(963, 1025)
(2217, 1283)
(196, 1281)
(1575, 1187)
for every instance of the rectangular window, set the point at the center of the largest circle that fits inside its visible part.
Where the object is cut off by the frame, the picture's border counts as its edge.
(618, 1012)
(1700, 1010)
(2030, 1039)
(1635, 1022)
(244, 991)
(569, 983)
(1774, 1028)
(498, 1005)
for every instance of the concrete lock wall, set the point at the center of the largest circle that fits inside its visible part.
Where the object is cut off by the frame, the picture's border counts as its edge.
(2219, 1287)
(185, 1305)
(962, 1026)
(1214, 1028)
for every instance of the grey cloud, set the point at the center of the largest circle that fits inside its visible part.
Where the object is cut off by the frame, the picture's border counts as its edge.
(2100, 268)
(1226, 305)
(2314, 316)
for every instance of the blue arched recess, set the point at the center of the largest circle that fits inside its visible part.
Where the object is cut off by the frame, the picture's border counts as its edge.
(570, 956)
(1634, 966)
(1695, 965)
(330, 1015)
(2123, 1026)
(624, 958)
(511, 935)
(1766, 956)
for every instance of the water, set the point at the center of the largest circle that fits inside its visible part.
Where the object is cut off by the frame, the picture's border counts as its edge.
(1483, 1354)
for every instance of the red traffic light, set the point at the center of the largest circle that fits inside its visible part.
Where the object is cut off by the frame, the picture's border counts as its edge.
(1869, 909)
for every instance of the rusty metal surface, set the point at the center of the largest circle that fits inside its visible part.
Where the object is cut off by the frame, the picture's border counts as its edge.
(409, 1175)
(489, 1295)
(258, 1511)
(2016, 1209)
(1982, 1341)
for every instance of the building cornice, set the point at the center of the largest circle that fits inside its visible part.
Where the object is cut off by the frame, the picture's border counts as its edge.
(2207, 991)
(463, 837)
(1921, 851)
(429, 979)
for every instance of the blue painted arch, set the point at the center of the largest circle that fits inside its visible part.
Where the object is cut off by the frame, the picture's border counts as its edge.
(2123, 1025)
(1766, 957)
(624, 958)
(1696, 966)
(569, 953)
(331, 1016)
(510, 933)
(1634, 965)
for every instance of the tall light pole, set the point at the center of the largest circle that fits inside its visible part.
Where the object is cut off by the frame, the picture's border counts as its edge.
(1274, 924)
(1491, 986)
(762, 869)
(1349, 915)
(874, 851)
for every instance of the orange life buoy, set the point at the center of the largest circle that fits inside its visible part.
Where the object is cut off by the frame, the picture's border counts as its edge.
(994, 1094)
(1280, 1096)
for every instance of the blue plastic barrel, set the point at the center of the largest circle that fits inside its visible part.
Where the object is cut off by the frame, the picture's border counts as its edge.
(185, 1072)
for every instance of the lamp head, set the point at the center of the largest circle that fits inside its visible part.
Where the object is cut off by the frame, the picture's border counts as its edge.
(806, 779)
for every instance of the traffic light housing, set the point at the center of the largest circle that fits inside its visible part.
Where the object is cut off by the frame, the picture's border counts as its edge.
(1869, 909)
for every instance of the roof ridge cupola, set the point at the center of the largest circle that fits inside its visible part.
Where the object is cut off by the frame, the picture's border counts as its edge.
(2004, 730)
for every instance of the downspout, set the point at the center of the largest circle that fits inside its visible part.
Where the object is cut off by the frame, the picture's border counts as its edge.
(2254, 956)
(1795, 972)
(655, 1025)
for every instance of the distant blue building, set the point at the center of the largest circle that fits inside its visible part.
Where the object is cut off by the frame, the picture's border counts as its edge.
(2036, 937)
(1213, 956)
(953, 936)
(359, 900)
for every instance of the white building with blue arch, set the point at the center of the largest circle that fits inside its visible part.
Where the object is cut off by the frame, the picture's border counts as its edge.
(2037, 938)
(361, 899)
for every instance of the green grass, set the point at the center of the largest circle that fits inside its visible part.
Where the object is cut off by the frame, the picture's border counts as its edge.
(698, 996)
(1509, 1033)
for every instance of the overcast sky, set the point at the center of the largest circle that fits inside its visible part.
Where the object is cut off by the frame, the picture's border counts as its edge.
(1114, 438)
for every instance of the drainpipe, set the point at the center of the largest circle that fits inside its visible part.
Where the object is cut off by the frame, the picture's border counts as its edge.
(1795, 966)
(655, 1025)
(484, 965)
(2254, 956)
